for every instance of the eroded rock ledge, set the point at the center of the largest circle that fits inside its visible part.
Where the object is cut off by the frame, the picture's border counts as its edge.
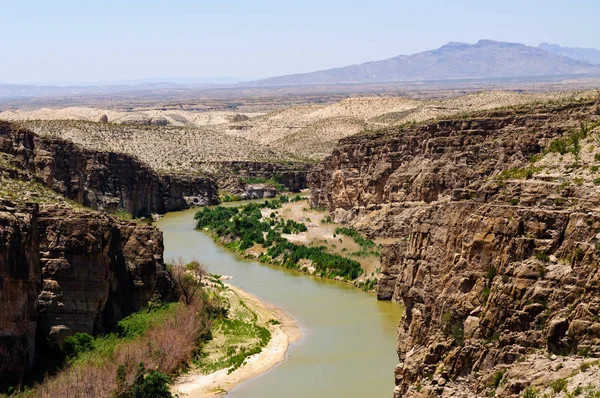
(495, 260)
(65, 270)
(103, 180)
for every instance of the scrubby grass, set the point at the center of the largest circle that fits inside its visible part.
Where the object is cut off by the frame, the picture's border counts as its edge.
(237, 337)
(520, 173)
(275, 181)
(360, 240)
(161, 338)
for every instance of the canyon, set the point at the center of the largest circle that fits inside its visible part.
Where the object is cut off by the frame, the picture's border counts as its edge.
(488, 214)
(494, 216)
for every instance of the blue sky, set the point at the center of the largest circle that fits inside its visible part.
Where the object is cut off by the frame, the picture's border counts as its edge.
(109, 40)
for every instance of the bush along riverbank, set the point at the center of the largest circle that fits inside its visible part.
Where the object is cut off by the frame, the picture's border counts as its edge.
(148, 350)
(257, 229)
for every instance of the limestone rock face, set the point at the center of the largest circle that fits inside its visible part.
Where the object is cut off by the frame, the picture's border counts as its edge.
(259, 191)
(65, 270)
(490, 268)
(103, 180)
(96, 270)
(232, 175)
(20, 279)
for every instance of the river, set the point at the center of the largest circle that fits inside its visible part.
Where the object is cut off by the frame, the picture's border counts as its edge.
(348, 348)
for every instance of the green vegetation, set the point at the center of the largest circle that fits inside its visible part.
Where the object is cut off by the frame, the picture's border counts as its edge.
(239, 336)
(542, 256)
(530, 392)
(77, 344)
(147, 385)
(236, 332)
(368, 285)
(485, 295)
(84, 348)
(226, 197)
(497, 378)
(330, 265)
(571, 143)
(122, 214)
(245, 227)
(360, 240)
(275, 181)
(134, 360)
(519, 173)
(457, 332)
(559, 385)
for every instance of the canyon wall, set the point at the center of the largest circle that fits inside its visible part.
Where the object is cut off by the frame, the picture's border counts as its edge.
(232, 175)
(95, 270)
(495, 256)
(103, 180)
(65, 270)
(20, 282)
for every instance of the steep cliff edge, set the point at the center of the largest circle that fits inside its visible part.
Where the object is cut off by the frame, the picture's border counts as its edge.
(95, 270)
(103, 180)
(496, 222)
(65, 268)
(20, 281)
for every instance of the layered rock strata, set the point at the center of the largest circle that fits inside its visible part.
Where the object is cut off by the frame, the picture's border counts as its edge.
(103, 180)
(20, 282)
(495, 259)
(233, 176)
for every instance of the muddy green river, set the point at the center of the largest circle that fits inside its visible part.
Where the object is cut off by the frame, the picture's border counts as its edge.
(348, 345)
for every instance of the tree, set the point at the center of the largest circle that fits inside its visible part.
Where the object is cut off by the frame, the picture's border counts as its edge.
(188, 279)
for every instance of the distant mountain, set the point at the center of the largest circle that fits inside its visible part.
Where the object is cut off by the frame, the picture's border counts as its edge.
(485, 59)
(590, 55)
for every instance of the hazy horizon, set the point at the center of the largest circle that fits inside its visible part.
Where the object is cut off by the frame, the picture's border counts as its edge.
(70, 42)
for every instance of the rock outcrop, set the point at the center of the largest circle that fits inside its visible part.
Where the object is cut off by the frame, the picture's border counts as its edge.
(103, 180)
(232, 176)
(65, 270)
(495, 259)
(20, 281)
(95, 270)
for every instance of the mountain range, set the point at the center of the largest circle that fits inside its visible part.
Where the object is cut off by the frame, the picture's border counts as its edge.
(485, 59)
(590, 55)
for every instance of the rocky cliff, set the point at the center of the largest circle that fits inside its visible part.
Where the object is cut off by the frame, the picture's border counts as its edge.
(65, 268)
(103, 180)
(234, 176)
(95, 270)
(20, 281)
(496, 225)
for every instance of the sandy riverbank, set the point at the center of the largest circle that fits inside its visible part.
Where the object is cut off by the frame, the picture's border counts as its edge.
(197, 385)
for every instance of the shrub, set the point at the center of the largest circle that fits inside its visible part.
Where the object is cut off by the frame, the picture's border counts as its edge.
(152, 385)
(530, 392)
(578, 254)
(356, 236)
(497, 378)
(491, 273)
(188, 280)
(457, 332)
(558, 385)
(485, 294)
(76, 344)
